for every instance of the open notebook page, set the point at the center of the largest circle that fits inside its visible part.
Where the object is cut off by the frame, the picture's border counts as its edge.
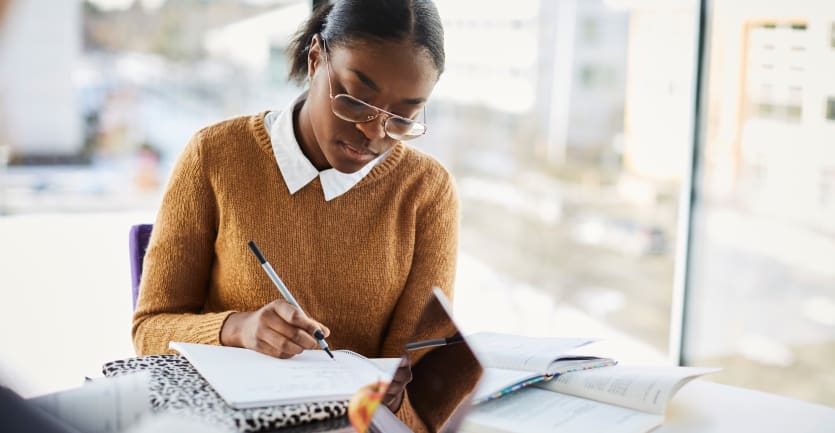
(245, 378)
(644, 388)
(535, 354)
(538, 410)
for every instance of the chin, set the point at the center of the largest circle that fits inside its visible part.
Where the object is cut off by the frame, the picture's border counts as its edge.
(345, 166)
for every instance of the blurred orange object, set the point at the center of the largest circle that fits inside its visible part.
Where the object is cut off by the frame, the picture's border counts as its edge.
(3, 7)
(364, 403)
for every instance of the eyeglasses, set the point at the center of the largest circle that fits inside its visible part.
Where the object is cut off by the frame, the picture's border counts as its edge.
(351, 109)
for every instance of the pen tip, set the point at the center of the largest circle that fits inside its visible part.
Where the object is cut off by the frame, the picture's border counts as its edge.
(329, 353)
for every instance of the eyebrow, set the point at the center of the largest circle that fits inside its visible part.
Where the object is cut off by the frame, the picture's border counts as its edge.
(373, 86)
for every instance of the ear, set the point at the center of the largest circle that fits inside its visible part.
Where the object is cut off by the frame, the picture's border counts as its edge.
(314, 55)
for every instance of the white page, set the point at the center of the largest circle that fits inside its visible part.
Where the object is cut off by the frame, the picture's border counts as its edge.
(538, 410)
(245, 378)
(644, 388)
(518, 352)
(107, 405)
(386, 365)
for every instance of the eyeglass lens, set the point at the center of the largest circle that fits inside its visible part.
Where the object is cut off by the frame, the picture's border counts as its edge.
(351, 109)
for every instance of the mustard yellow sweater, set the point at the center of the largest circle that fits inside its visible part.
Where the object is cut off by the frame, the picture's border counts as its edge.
(363, 264)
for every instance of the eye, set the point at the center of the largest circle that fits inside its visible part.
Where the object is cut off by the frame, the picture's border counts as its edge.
(412, 113)
(401, 122)
(354, 103)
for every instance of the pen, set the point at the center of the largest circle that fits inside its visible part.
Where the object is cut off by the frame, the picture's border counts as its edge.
(457, 338)
(320, 337)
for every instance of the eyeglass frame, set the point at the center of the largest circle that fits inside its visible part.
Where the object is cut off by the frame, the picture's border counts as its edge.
(379, 110)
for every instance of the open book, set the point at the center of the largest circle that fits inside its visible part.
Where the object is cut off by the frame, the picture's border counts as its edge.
(513, 362)
(618, 399)
(245, 378)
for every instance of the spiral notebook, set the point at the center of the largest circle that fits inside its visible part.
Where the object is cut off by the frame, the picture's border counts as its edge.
(244, 378)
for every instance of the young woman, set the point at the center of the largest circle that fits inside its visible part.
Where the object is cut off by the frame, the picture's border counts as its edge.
(359, 225)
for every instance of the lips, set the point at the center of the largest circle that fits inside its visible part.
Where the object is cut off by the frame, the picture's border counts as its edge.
(356, 152)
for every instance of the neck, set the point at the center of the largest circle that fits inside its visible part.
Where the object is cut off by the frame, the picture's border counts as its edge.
(303, 130)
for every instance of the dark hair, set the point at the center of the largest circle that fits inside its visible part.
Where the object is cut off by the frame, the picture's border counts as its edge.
(347, 21)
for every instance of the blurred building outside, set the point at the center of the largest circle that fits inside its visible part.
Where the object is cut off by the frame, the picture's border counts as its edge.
(34, 74)
(760, 300)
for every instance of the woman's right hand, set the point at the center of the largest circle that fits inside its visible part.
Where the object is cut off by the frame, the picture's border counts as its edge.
(277, 329)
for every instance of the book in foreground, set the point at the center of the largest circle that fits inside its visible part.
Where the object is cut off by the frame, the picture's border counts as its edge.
(245, 378)
(618, 399)
(513, 362)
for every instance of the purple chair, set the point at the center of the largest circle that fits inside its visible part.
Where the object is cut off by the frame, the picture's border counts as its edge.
(137, 244)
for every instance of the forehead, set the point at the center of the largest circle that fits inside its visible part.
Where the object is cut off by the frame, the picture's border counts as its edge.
(399, 69)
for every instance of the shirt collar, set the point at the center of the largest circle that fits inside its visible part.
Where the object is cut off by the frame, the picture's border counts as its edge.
(296, 169)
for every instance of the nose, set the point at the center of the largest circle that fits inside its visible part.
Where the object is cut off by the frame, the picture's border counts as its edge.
(374, 129)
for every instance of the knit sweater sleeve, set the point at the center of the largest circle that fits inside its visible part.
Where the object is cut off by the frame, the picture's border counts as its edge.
(433, 264)
(178, 262)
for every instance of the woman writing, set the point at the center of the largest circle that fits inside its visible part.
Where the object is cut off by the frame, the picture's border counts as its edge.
(359, 225)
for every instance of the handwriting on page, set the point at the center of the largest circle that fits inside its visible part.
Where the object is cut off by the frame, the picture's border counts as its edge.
(303, 378)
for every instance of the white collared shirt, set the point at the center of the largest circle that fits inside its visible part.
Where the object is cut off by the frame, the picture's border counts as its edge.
(296, 169)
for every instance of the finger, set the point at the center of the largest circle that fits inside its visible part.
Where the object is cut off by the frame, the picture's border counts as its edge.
(404, 361)
(296, 318)
(270, 342)
(400, 382)
(393, 401)
(293, 333)
(404, 371)
(392, 393)
(395, 388)
(325, 329)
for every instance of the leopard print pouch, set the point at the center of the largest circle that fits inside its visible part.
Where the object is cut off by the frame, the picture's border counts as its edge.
(176, 387)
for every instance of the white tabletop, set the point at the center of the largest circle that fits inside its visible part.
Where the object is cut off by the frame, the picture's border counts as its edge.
(708, 407)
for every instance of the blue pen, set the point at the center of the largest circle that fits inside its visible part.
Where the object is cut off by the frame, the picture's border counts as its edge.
(317, 334)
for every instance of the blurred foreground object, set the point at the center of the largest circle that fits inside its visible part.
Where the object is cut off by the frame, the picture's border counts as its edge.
(364, 403)
(4, 4)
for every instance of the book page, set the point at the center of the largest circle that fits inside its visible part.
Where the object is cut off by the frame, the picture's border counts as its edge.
(644, 388)
(245, 378)
(518, 352)
(538, 410)
(107, 405)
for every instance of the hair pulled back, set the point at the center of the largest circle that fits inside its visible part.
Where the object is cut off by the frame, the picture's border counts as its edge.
(347, 21)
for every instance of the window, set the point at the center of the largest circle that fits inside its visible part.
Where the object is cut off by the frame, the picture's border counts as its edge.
(524, 215)
(760, 300)
(591, 30)
(826, 192)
